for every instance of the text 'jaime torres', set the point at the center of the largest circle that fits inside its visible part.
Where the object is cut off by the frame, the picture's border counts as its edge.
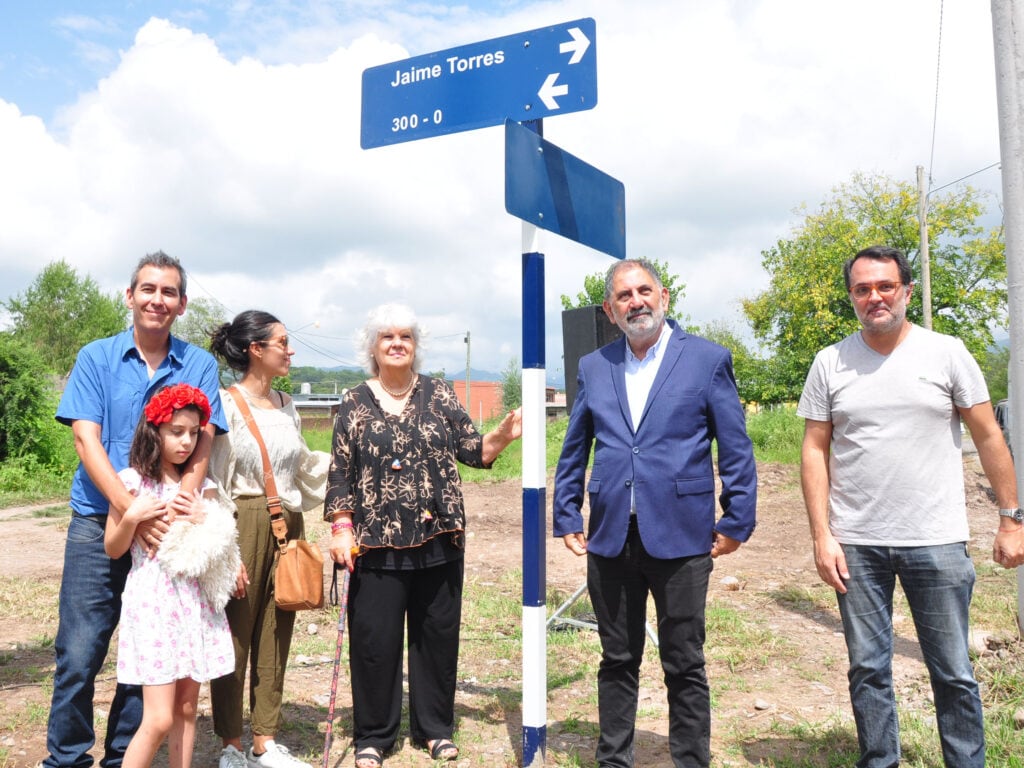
(455, 65)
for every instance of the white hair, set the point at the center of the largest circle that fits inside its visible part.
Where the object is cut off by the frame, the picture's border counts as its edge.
(381, 319)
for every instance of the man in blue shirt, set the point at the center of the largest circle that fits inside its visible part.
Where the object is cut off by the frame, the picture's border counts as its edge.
(112, 380)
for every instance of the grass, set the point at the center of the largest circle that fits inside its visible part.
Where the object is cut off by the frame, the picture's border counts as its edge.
(318, 439)
(740, 643)
(29, 600)
(803, 599)
(776, 435)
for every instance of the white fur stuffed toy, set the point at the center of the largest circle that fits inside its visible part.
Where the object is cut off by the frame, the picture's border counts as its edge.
(207, 551)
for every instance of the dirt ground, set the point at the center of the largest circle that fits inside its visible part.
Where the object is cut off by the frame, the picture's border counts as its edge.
(775, 563)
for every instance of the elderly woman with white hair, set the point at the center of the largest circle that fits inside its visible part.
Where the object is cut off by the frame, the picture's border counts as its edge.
(394, 493)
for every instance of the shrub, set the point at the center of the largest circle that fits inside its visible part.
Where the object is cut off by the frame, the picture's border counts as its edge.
(777, 435)
(24, 401)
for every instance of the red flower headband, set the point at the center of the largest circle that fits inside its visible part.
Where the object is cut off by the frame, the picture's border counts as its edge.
(161, 407)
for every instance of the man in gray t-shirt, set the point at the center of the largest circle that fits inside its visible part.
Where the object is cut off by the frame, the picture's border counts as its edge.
(882, 478)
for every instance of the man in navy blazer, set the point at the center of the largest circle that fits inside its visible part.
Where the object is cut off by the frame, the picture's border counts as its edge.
(651, 404)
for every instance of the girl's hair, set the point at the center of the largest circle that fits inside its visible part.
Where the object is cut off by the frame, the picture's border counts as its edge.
(231, 341)
(145, 455)
(380, 319)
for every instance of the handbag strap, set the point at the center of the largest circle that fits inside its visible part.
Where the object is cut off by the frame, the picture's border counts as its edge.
(278, 525)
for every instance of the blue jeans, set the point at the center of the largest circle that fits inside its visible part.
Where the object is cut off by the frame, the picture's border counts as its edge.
(618, 588)
(938, 582)
(90, 606)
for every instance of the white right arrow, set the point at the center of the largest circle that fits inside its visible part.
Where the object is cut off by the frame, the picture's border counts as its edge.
(578, 45)
(549, 90)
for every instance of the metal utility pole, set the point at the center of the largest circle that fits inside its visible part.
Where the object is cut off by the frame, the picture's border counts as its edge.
(1008, 38)
(926, 269)
(467, 375)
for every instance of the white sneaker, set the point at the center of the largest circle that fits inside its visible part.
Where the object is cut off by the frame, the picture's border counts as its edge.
(232, 757)
(276, 756)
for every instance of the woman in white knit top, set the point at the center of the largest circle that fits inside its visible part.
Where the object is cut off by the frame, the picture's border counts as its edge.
(255, 343)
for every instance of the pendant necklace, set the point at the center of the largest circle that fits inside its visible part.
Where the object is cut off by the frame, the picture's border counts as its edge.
(396, 463)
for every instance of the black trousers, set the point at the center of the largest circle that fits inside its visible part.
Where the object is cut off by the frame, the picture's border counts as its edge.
(380, 604)
(618, 589)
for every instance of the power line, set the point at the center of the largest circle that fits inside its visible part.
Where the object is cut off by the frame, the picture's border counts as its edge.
(935, 110)
(298, 337)
(964, 178)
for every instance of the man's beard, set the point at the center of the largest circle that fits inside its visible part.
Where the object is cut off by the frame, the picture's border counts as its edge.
(641, 324)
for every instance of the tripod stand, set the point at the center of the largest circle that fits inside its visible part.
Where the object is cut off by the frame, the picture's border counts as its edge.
(557, 618)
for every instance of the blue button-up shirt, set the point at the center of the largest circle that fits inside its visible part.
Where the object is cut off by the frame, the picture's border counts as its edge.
(109, 386)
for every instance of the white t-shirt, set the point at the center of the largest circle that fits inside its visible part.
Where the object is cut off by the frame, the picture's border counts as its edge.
(895, 466)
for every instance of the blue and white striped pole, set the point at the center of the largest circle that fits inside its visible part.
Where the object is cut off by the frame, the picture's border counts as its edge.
(534, 507)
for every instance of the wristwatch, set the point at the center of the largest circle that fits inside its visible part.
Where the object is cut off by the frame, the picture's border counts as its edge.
(1015, 514)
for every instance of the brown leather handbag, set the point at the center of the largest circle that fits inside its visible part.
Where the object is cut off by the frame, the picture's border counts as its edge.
(299, 571)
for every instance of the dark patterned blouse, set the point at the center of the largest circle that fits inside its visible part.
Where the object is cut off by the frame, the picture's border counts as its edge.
(399, 474)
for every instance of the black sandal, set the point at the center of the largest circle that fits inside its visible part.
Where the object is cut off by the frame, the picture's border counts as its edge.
(371, 754)
(442, 746)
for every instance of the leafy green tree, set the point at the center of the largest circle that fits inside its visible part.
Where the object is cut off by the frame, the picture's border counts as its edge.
(746, 366)
(201, 317)
(757, 378)
(996, 367)
(61, 312)
(25, 402)
(593, 290)
(511, 386)
(806, 306)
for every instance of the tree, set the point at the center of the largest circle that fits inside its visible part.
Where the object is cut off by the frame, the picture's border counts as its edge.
(24, 397)
(996, 367)
(806, 306)
(511, 386)
(745, 365)
(593, 290)
(62, 312)
(201, 317)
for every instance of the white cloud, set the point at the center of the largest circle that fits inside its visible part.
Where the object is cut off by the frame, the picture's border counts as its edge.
(720, 118)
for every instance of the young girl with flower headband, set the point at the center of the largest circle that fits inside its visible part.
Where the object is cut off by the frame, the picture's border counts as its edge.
(174, 633)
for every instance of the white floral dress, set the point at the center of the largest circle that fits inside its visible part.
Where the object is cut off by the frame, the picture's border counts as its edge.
(168, 630)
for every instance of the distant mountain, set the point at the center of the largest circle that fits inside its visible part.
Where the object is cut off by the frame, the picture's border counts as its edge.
(475, 374)
(347, 373)
(348, 376)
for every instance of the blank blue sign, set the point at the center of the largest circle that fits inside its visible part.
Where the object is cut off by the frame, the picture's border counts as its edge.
(556, 191)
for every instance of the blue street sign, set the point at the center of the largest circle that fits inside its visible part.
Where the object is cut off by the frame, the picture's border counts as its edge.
(528, 76)
(556, 191)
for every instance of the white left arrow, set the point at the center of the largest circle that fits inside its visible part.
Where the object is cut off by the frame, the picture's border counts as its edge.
(549, 90)
(578, 45)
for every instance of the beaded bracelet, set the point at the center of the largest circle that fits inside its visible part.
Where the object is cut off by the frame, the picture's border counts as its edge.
(338, 526)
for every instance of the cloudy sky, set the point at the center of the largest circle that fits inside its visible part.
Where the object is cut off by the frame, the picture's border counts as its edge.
(226, 132)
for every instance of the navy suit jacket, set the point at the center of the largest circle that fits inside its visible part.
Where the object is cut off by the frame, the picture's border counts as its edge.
(666, 462)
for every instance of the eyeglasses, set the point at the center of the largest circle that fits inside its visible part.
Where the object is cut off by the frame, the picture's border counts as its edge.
(885, 288)
(281, 342)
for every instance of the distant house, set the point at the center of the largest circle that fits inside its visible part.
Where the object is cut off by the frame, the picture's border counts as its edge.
(317, 411)
(484, 398)
(554, 403)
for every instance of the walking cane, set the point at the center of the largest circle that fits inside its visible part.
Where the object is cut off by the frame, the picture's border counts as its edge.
(337, 653)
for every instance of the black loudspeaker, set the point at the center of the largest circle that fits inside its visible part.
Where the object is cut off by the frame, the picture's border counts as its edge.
(583, 330)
